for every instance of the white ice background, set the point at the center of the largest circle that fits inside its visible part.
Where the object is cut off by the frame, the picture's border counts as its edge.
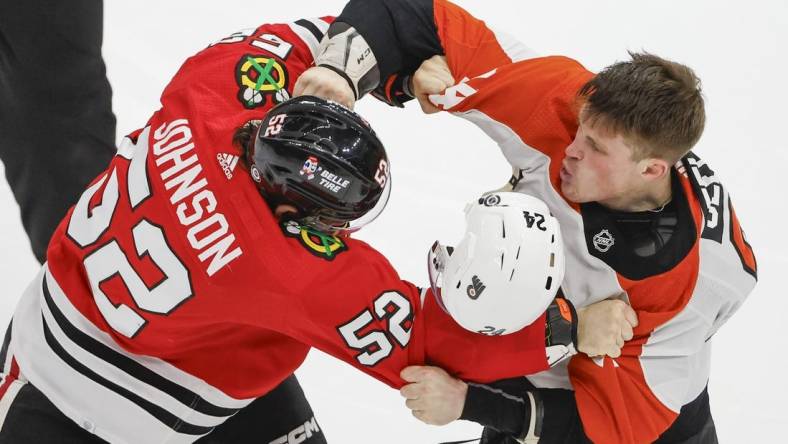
(439, 162)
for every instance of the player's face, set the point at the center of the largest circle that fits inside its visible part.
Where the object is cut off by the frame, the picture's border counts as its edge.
(598, 167)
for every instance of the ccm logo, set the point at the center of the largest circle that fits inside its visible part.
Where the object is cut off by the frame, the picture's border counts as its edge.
(299, 434)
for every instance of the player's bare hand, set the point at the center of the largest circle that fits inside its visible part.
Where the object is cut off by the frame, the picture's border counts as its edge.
(432, 77)
(323, 82)
(603, 327)
(433, 396)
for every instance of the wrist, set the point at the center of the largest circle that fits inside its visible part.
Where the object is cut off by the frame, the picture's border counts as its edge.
(463, 393)
(407, 86)
(395, 91)
(581, 318)
(505, 411)
(471, 406)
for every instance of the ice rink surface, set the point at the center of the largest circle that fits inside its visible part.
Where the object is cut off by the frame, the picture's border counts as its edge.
(439, 162)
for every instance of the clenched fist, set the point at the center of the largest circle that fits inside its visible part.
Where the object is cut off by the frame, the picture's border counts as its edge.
(603, 327)
(432, 77)
(323, 82)
(434, 397)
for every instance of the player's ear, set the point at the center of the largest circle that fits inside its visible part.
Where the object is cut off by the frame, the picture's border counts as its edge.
(653, 168)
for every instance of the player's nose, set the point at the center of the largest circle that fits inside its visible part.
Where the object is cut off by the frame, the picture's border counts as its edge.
(574, 150)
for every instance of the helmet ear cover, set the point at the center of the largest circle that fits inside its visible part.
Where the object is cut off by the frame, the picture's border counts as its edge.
(321, 158)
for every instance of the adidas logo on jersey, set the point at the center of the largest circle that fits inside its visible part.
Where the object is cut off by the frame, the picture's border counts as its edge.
(476, 288)
(228, 163)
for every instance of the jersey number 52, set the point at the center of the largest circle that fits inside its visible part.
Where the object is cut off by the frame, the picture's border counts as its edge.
(375, 345)
(88, 225)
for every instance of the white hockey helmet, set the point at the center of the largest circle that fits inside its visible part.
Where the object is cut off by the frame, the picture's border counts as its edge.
(506, 269)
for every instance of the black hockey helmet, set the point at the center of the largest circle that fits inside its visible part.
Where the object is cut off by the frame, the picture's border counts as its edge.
(325, 160)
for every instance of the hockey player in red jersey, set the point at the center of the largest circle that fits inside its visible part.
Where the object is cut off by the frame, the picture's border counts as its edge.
(77, 106)
(174, 294)
(645, 218)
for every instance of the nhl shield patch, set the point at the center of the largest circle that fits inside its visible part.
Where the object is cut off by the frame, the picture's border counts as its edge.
(603, 241)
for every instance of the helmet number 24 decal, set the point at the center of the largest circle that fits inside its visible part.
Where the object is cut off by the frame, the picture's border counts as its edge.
(538, 218)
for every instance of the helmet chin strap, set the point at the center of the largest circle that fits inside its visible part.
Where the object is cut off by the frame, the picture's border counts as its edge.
(286, 213)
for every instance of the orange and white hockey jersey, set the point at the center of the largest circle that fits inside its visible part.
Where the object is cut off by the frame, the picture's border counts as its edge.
(527, 105)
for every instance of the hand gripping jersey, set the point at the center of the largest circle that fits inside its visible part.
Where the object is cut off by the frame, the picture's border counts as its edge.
(682, 295)
(172, 297)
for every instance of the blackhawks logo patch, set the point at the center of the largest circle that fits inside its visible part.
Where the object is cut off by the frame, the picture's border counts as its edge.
(259, 77)
(320, 244)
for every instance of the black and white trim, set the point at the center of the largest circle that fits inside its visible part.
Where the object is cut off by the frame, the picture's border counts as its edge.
(11, 382)
(116, 395)
(311, 31)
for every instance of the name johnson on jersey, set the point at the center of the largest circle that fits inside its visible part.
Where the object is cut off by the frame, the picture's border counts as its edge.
(208, 231)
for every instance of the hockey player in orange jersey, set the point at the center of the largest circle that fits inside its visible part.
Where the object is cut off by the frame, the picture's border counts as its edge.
(646, 219)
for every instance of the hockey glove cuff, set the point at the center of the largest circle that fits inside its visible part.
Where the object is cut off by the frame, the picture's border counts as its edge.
(561, 331)
(345, 51)
(395, 91)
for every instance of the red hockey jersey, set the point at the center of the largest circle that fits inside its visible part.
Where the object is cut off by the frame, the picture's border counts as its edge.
(172, 297)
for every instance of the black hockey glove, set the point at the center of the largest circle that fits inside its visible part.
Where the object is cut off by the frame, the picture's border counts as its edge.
(395, 91)
(560, 331)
